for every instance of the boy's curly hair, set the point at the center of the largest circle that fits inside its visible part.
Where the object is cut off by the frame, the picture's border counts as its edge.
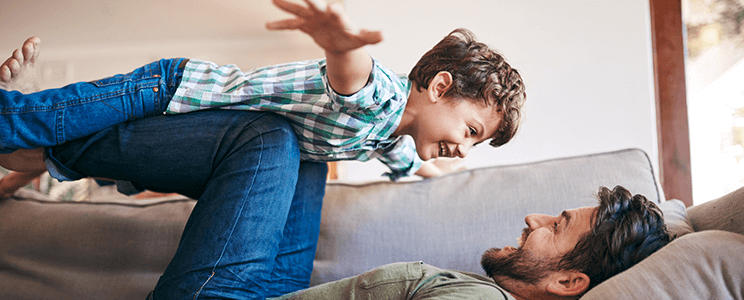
(479, 74)
(626, 230)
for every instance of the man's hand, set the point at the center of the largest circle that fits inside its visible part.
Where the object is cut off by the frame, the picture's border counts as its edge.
(328, 25)
(347, 64)
(439, 167)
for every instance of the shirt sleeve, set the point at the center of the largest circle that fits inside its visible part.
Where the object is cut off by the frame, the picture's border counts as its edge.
(382, 96)
(401, 158)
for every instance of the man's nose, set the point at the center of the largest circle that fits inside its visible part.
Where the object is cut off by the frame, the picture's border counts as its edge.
(535, 221)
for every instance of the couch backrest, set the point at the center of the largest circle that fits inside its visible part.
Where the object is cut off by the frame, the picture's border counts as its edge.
(84, 250)
(449, 221)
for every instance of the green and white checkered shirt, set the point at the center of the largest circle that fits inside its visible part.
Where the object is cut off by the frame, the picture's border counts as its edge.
(329, 126)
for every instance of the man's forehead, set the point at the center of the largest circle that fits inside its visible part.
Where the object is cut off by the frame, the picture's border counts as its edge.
(582, 218)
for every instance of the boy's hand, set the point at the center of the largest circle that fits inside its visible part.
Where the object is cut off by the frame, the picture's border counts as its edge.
(348, 65)
(328, 25)
(440, 166)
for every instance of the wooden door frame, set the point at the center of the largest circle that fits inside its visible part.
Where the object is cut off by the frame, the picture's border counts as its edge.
(671, 99)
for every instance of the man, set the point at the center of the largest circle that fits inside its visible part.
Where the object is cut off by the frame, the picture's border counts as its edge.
(558, 257)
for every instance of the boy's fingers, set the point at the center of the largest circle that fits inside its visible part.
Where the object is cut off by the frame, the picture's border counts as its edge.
(285, 24)
(370, 37)
(293, 8)
(366, 36)
(316, 5)
(338, 13)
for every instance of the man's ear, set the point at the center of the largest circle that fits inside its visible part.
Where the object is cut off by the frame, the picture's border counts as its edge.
(568, 283)
(439, 85)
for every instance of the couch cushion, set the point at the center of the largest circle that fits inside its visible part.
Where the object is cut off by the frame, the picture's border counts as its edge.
(675, 218)
(449, 221)
(84, 250)
(700, 265)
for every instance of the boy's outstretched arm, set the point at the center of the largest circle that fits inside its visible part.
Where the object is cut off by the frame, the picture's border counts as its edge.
(347, 64)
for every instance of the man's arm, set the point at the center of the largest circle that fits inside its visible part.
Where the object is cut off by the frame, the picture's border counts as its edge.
(347, 64)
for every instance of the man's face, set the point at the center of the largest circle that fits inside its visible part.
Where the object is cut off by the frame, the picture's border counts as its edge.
(542, 244)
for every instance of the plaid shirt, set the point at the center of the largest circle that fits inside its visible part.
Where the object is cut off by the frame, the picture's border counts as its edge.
(329, 126)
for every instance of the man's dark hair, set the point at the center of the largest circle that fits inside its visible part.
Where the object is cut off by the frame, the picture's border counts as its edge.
(626, 230)
(479, 74)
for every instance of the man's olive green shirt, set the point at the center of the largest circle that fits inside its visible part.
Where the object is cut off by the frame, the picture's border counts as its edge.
(406, 281)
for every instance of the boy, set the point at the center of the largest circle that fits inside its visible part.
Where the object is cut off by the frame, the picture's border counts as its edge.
(346, 107)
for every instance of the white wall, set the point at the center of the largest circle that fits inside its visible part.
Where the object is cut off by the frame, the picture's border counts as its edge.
(587, 64)
(96, 38)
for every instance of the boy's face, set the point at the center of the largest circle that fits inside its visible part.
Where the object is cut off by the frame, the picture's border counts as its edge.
(450, 127)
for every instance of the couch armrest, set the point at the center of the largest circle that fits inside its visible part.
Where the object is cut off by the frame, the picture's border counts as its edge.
(725, 213)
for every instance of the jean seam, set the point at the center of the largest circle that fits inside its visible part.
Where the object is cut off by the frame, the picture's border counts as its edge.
(232, 230)
(203, 285)
(60, 126)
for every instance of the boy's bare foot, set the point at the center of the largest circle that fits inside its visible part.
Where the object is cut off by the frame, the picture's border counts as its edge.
(18, 71)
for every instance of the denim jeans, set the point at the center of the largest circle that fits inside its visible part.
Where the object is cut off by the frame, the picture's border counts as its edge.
(54, 116)
(254, 229)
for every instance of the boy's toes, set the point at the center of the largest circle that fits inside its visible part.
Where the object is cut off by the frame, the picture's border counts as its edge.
(5, 74)
(18, 56)
(33, 40)
(13, 65)
(8, 68)
(29, 51)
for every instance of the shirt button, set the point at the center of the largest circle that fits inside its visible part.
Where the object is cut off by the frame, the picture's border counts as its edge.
(155, 89)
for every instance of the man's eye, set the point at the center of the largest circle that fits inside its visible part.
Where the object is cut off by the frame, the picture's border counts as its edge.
(555, 226)
(472, 131)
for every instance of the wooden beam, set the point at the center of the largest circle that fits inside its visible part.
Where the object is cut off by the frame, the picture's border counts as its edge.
(671, 99)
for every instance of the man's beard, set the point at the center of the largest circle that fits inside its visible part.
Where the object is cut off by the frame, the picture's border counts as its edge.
(520, 265)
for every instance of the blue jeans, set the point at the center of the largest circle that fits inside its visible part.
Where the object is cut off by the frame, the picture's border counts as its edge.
(254, 229)
(54, 116)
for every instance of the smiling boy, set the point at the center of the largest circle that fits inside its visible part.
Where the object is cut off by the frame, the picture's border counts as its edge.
(344, 107)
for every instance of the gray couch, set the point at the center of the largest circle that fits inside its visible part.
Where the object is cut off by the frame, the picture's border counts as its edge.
(114, 250)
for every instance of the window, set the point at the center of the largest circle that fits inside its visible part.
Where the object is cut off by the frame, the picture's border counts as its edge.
(714, 65)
